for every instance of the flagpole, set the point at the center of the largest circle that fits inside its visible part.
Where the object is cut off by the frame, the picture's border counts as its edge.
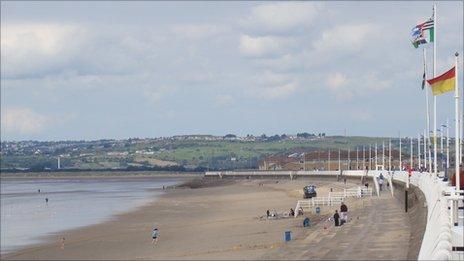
(349, 159)
(435, 169)
(418, 152)
(427, 105)
(456, 111)
(425, 149)
(383, 154)
(400, 163)
(364, 158)
(389, 155)
(370, 157)
(447, 144)
(411, 159)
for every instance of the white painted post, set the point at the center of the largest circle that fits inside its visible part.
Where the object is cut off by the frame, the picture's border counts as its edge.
(447, 144)
(364, 158)
(411, 159)
(400, 163)
(370, 157)
(425, 149)
(349, 159)
(383, 153)
(419, 151)
(435, 21)
(328, 166)
(389, 155)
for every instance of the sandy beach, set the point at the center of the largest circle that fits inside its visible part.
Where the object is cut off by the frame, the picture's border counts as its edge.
(215, 220)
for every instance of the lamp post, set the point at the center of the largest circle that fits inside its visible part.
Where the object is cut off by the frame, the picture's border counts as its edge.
(383, 154)
(370, 157)
(419, 151)
(389, 155)
(364, 157)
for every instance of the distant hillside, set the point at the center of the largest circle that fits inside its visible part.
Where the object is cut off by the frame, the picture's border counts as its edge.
(188, 151)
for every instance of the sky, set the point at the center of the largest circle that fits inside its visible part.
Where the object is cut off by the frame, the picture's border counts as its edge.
(89, 70)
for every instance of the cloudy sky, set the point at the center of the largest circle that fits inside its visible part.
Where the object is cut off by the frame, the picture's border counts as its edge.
(91, 70)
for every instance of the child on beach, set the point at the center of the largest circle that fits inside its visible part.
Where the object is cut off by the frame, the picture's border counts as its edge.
(154, 235)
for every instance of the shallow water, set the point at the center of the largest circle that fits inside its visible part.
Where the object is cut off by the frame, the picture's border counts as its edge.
(73, 203)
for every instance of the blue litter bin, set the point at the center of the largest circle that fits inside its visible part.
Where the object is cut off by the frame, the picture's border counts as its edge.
(288, 236)
(306, 222)
(318, 210)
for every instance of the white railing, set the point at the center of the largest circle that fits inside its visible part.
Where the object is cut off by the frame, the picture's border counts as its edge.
(307, 204)
(438, 237)
(352, 192)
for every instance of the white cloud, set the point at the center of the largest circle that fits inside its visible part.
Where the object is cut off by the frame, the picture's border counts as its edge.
(284, 63)
(269, 86)
(281, 16)
(344, 88)
(23, 120)
(264, 45)
(279, 91)
(33, 48)
(336, 80)
(223, 100)
(346, 37)
(154, 95)
(197, 31)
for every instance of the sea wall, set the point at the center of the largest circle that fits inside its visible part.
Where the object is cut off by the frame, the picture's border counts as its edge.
(417, 212)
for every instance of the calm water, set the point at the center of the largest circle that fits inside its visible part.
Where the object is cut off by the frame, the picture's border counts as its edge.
(25, 216)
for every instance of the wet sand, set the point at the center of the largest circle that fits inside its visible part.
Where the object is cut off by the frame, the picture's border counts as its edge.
(212, 220)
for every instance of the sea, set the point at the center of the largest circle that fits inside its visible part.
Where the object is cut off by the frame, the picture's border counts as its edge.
(26, 217)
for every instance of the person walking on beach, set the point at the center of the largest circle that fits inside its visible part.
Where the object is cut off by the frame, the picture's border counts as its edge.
(46, 201)
(380, 184)
(336, 218)
(154, 235)
(62, 242)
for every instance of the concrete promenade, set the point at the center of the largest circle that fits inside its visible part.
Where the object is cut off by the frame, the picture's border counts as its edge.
(380, 231)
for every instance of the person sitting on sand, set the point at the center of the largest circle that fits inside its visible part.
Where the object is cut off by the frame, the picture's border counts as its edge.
(336, 218)
(268, 213)
(292, 212)
(274, 213)
(154, 235)
(300, 211)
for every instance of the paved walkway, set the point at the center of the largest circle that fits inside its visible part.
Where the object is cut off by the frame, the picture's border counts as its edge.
(381, 232)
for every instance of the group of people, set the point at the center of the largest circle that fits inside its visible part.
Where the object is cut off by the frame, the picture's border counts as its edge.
(272, 214)
(341, 218)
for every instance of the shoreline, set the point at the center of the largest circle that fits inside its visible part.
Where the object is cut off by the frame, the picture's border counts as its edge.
(102, 175)
(156, 193)
(214, 219)
(206, 210)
